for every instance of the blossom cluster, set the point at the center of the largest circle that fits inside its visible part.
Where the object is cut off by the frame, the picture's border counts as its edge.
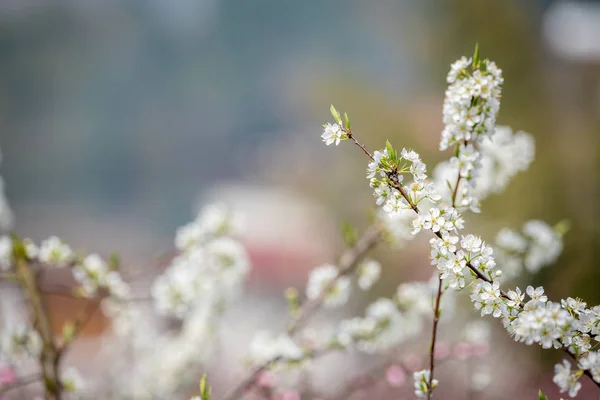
(389, 322)
(421, 379)
(210, 267)
(386, 174)
(486, 167)
(536, 246)
(20, 342)
(469, 115)
(472, 101)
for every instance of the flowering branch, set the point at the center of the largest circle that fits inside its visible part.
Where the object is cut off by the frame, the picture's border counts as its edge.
(48, 357)
(441, 223)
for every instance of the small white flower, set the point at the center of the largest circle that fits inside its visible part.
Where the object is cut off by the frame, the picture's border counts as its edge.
(20, 341)
(421, 381)
(54, 252)
(565, 380)
(368, 273)
(322, 277)
(72, 381)
(333, 133)
(266, 346)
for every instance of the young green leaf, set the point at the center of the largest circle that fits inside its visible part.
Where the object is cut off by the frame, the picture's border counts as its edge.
(205, 390)
(349, 233)
(336, 115)
(476, 57)
(347, 121)
(541, 396)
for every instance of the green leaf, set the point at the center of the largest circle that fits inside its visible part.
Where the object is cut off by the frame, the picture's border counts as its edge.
(205, 390)
(476, 57)
(291, 296)
(562, 227)
(391, 152)
(347, 121)
(114, 261)
(68, 331)
(349, 233)
(541, 396)
(336, 115)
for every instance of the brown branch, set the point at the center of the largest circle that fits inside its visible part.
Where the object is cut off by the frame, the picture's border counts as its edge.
(436, 319)
(41, 323)
(359, 144)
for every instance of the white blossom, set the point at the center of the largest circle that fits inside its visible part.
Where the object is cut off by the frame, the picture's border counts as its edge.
(323, 276)
(332, 133)
(266, 346)
(91, 274)
(421, 383)
(565, 380)
(20, 341)
(53, 252)
(72, 382)
(368, 273)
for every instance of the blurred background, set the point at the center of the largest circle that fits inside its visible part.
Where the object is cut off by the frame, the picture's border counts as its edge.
(118, 119)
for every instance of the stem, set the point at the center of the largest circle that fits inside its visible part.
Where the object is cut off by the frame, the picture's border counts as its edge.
(41, 323)
(359, 144)
(478, 273)
(436, 309)
(436, 319)
(455, 191)
(347, 264)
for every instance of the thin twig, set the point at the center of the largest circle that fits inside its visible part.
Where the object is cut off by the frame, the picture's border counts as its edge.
(347, 264)
(436, 319)
(436, 310)
(41, 323)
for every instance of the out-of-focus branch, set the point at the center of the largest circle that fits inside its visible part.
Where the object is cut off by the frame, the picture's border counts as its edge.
(41, 323)
(347, 264)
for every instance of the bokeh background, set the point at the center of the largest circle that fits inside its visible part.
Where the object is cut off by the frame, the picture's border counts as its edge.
(117, 119)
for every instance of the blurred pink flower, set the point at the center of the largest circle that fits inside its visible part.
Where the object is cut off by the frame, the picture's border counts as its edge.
(462, 350)
(395, 376)
(288, 395)
(267, 380)
(7, 375)
(442, 350)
